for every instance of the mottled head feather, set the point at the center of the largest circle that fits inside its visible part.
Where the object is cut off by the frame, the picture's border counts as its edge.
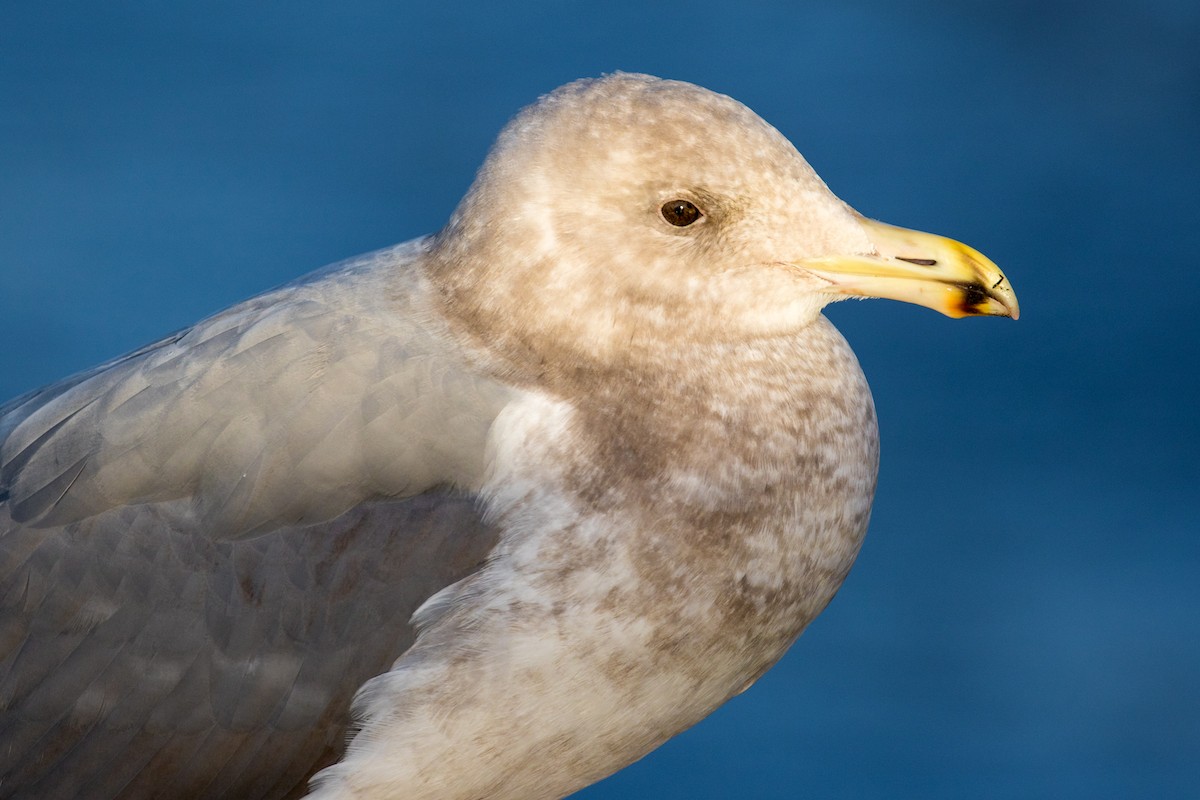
(561, 242)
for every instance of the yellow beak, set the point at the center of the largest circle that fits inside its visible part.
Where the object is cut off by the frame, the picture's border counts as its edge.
(921, 268)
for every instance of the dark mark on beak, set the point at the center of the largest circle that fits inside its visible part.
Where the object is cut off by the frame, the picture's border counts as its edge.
(997, 283)
(920, 262)
(973, 297)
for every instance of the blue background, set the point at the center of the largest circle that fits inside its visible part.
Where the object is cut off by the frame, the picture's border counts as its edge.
(1024, 620)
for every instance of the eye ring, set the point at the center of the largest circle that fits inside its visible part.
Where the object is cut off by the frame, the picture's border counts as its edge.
(680, 212)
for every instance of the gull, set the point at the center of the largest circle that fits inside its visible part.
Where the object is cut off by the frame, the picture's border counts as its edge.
(488, 514)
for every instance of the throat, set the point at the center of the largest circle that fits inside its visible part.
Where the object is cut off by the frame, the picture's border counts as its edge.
(724, 426)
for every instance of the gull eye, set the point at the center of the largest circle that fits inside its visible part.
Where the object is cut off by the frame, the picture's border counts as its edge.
(680, 213)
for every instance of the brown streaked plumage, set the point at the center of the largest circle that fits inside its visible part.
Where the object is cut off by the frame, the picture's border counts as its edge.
(540, 491)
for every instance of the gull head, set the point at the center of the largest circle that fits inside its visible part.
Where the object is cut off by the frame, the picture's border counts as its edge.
(625, 211)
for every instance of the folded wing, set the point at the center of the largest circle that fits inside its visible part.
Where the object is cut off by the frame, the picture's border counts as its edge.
(208, 545)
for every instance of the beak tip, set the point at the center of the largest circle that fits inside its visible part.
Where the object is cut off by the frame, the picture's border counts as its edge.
(1008, 301)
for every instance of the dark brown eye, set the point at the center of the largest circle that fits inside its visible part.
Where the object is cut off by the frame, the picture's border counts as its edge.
(680, 213)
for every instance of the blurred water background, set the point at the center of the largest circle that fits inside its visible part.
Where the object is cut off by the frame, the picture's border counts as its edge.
(1024, 620)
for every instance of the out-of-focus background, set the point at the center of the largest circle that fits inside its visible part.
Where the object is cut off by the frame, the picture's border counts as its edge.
(1024, 620)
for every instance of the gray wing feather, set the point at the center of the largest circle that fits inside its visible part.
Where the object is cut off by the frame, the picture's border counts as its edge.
(291, 407)
(162, 670)
(208, 545)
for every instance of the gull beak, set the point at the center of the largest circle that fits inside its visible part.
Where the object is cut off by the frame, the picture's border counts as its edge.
(921, 268)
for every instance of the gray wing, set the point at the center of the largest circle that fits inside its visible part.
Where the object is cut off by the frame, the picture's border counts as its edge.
(208, 545)
(142, 660)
